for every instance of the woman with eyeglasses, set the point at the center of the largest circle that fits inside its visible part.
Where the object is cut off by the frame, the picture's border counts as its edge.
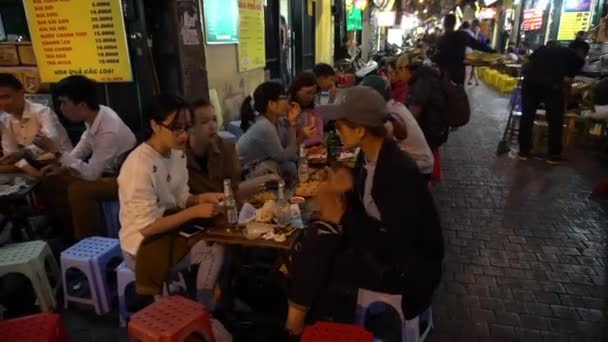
(155, 202)
(270, 145)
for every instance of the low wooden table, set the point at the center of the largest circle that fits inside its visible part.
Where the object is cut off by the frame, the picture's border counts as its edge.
(221, 235)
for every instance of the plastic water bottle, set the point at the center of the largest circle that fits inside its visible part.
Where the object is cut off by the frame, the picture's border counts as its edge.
(303, 166)
(232, 215)
(282, 210)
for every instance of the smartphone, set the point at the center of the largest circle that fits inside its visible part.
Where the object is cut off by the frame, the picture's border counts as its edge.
(194, 227)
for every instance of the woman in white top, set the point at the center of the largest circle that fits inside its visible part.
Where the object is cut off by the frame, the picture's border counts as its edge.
(155, 202)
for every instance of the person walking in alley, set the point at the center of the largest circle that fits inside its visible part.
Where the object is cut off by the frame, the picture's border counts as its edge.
(547, 78)
(451, 50)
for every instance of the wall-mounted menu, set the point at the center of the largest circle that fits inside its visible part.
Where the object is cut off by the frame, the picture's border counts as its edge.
(221, 21)
(79, 37)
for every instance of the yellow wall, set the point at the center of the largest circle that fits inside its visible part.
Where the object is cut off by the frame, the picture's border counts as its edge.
(324, 38)
(231, 85)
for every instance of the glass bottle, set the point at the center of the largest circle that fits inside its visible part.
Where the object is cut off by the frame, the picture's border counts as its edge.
(283, 212)
(302, 166)
(232, 216)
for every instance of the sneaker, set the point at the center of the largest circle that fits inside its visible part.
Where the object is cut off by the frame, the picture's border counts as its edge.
(554, 160)
(523, 155)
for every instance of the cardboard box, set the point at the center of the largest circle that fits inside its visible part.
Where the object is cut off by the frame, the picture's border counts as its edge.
(26, 54)
(29, 77)
(8, 54)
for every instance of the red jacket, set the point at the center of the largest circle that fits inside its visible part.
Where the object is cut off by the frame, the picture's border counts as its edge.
(399, 91)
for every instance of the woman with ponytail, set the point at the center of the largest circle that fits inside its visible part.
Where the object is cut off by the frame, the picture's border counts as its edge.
(269, 145)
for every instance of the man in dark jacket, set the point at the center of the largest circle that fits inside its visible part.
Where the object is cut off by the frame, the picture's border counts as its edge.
(451, 49)
(547, 79)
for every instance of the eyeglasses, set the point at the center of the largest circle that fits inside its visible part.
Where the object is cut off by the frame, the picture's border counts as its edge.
(177, 129)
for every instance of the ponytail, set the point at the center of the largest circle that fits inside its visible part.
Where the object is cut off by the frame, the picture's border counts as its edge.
(247, 114)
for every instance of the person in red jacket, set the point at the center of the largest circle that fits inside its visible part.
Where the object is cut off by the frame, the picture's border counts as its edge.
(398, 76)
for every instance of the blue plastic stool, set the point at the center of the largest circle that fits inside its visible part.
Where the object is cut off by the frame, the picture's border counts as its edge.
(91, 256)
(410, 331)
(124, 277)
(108, 213)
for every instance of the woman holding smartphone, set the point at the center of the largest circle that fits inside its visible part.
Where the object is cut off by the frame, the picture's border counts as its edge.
(155, 202)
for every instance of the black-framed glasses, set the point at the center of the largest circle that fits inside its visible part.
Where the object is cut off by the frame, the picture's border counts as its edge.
(177, 129)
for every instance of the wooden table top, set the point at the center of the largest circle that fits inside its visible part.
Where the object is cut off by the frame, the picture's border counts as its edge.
(221, 235)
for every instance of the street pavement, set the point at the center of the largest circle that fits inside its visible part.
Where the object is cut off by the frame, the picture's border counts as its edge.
(526, 247)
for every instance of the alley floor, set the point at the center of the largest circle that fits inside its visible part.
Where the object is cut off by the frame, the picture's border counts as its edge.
(526, 247)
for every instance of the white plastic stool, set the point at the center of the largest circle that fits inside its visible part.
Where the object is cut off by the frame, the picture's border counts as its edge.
(29, 259)
(410, 331)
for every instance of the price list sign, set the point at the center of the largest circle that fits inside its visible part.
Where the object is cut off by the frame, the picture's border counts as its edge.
(79, 37)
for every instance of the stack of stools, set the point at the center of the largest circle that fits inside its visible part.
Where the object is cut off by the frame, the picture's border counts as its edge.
(335, 332)
(410, 331)
(44, 327)
(169, 319)
(30, 259)
(91, 256)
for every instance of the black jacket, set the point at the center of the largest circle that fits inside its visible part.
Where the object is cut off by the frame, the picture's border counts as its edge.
(409, 240)
(452, 46)
(425, 91)
(550, 64)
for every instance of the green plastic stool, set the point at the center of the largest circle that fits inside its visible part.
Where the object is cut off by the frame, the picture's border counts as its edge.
(29, 259)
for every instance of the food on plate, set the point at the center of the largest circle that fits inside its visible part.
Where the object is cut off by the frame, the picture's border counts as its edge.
(307, 189)
(266, 212)
(262, 197)
(297, 200)
(319, 149)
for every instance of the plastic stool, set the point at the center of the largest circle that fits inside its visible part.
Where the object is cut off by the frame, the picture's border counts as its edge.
(29, 259)
(44, 327)
(91, 256)
(124, 277)
(411, 328)
(108, 212)
(335, 332)
(170, 319)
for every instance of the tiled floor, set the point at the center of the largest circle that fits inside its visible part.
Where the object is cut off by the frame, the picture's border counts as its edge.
(526, 248)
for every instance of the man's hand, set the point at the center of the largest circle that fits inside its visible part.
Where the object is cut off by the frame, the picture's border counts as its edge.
(12, 158)
(46, 144)
(330, 200)
(52, 169)
(293, 113)
(205, 210)
(211, 198)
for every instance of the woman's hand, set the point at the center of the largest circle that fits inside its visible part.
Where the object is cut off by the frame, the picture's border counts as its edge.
(293, 113)
(52, 169)
(205, 210)
(309, 131)
(211, 198)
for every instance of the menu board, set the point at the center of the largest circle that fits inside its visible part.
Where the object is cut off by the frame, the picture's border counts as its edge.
(221, 21)
(533, 19)
(252, 45)
(79, 37)
(575, 17)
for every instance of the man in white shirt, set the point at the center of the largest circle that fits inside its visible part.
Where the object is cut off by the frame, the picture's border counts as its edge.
(81, 178)
(21, 122)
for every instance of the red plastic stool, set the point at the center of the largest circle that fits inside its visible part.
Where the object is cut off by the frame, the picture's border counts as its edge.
(170, 319)
(436, 166)
(335, 332)
(44, 327)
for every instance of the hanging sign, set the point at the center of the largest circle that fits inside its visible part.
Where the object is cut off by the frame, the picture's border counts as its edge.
(533, 19)
(252, 41)
(576, 15)
(79, 37)
(221, 21)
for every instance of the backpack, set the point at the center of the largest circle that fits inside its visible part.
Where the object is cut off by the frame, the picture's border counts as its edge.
(459, 110)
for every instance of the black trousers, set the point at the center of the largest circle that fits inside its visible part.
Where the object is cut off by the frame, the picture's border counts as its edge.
(455, 73)
(324, 261)
(553, 98)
